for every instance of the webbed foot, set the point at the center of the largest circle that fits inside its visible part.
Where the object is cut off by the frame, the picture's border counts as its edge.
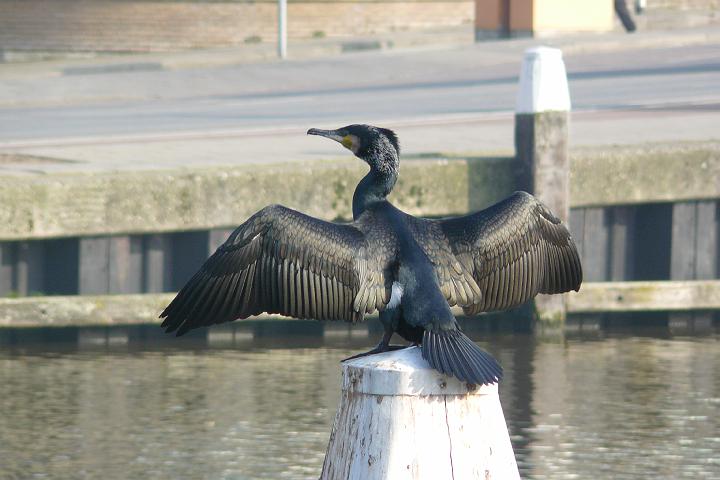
(379, 349)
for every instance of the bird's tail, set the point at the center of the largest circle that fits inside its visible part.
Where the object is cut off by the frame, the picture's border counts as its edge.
(453, 353)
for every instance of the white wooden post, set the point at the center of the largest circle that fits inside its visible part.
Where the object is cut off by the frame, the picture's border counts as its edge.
(541, 148)
(541, 128)
(400, 419)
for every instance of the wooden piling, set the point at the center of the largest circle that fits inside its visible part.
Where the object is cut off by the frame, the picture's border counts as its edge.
(7, 266)
(125, 269)
(693, 254)
(622, 245)
(29, 268)
(541, 148)
(93, 275)
(157, 252)
(596, 245)
(541, 123)
(399, 418)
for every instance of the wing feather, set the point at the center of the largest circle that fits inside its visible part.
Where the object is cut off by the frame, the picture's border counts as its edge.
(506, 254)
(282, 261)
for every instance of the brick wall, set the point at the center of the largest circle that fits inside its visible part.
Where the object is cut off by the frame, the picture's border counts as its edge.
(136, 25)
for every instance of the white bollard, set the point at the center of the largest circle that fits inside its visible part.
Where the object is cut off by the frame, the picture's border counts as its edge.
(400, 419)
(543, 82)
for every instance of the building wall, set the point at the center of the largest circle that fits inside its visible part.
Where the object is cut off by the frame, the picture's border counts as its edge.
(538, 17)
(547, 17)
(489, 15)
(137, 25)
(521, 16)
(563, 15)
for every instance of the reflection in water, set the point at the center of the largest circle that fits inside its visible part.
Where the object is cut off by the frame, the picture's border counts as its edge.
(626, 407)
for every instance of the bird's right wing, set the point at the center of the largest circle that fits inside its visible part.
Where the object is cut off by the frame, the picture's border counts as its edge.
(282, 261)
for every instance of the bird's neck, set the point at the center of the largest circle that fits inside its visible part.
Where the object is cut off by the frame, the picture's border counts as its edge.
(372, 189)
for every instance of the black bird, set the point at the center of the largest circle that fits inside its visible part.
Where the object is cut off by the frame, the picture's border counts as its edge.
(409, 269)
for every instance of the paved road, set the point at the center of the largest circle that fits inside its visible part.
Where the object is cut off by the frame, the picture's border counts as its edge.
(453, 99)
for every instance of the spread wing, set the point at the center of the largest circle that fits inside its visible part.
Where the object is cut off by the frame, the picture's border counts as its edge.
(282, 261)
(502, 256)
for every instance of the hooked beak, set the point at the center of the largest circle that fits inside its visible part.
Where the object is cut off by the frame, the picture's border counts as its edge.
(332, 134)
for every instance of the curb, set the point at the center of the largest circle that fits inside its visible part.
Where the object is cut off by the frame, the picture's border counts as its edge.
(303, 50)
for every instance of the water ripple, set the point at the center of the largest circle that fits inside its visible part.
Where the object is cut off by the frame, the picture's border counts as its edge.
(616, 408)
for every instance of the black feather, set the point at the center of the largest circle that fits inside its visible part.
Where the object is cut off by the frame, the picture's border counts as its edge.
(453, 353)
(392, 137)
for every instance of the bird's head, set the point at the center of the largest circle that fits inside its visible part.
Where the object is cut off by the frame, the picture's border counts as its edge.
(379, 147)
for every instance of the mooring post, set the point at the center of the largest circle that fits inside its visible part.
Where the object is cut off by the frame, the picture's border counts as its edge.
(399, 418)
(541, 148)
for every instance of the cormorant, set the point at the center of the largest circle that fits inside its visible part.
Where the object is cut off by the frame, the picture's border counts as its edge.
(409, 269)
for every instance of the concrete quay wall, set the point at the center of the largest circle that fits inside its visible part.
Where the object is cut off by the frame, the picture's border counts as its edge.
(62, 205)
(110, 242)
(107, 203)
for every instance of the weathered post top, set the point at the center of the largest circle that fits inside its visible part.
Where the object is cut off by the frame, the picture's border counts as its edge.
(403, 372)
(543, 82)
(401, 419)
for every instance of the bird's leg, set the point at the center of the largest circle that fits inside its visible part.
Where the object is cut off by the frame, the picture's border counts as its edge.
(383, 346)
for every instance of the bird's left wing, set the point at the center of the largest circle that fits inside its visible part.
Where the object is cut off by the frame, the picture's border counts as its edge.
(282, 261)
(512, 251)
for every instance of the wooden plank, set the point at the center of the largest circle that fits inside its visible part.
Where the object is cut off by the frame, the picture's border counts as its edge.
(30, 268)
(706, 243)
(622, 244)
(93, 265)
(645, 296)
(595, 245)
(542, 158)
(157, 252)
(682, 250)
(125, 264)
(7, 267)
(78, 311)
(577, 229)
(704, 260)
(88, 310)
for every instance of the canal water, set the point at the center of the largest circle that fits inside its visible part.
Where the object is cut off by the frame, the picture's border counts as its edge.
(621, 406)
